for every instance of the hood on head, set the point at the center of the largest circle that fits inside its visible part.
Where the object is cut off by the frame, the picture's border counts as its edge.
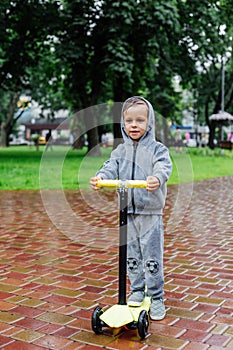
(150, 131)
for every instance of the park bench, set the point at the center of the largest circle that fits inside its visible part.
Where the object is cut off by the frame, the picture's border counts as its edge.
(226, 145)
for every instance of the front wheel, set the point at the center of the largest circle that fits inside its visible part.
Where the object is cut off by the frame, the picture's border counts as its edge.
(143, 324)
(96, 321)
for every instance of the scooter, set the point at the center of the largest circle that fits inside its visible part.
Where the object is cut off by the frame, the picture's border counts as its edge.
(122, 315)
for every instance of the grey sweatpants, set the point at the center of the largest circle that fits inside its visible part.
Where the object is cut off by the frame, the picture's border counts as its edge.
(145, 253)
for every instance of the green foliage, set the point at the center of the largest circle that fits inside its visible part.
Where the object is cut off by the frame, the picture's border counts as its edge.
(76, 53)
(24, 28)
(206, 37)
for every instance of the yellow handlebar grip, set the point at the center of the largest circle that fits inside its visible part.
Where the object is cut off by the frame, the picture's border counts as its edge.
(136, 184)
(121, 184)
(108, 183)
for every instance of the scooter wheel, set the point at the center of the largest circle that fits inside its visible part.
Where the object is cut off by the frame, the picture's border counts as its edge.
(143, 324)
(96, 321)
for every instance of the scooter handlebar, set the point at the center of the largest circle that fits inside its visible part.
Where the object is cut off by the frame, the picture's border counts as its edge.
(122, 183)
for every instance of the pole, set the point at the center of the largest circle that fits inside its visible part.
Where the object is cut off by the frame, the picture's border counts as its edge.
(123, 199)
(223, 92)
(223, 85)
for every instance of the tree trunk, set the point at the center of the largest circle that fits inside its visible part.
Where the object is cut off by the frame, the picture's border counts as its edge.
(120, 95)
(7, 125)
(211, 135)
(165, 131)
(116, 115)
(93, 143)
(78, 137)
(4, 138)
(91, 129)
(211, 126)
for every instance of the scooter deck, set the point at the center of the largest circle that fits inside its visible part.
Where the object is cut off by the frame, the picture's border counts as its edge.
(119, 315)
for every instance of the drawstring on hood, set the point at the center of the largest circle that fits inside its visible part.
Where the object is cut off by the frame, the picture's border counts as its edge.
(150, 131)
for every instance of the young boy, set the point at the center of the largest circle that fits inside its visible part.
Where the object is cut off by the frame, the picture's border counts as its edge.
(141, 157)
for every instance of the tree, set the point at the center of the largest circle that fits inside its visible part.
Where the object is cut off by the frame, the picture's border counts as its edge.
(133, 41)
(126, 50)
(23, 31)
(74, 50)
(203, 43)
(83, 53)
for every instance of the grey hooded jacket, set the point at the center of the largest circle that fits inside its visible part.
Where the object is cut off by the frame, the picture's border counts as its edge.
(138, 160)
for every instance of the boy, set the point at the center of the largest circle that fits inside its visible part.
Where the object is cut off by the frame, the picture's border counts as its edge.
(141, 157)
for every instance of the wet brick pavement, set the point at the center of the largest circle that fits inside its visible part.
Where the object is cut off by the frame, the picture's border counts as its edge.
(59, 259)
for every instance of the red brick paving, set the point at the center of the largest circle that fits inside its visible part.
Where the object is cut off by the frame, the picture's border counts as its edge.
(58, 260)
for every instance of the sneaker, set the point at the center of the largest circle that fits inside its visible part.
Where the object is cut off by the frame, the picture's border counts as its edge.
(136, 298)
(157, 309)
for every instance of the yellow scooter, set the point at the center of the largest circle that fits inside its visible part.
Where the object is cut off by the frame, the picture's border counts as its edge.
(122, 315)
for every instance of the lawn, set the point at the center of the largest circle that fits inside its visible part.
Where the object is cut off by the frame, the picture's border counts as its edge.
(22, 167)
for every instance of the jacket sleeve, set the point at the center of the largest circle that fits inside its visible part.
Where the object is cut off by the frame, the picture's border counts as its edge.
(110, 169)
(162, 164)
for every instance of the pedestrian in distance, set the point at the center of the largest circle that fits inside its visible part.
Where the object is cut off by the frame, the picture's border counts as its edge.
(49, 141)
(141, 157)
(178, 140)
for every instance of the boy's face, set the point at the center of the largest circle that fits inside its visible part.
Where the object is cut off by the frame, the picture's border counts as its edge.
(135, 120)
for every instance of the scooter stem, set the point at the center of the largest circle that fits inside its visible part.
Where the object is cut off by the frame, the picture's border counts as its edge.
(123, 203)
(122, 188)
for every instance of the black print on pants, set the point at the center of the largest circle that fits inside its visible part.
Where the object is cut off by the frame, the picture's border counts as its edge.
(132, 264)
(152, 266)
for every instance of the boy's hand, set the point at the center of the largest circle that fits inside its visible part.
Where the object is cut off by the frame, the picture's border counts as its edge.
(152, 183)
(94, 181)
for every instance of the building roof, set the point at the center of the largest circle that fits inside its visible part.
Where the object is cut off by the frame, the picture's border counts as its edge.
(46, 124)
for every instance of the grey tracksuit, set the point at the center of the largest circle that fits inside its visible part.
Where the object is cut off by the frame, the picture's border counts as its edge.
(137, 161)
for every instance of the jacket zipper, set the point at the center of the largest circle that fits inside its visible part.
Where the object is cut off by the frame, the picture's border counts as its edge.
(132, 175)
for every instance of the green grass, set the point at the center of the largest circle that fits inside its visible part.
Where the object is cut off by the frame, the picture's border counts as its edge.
(25, 168)
(200, 164)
